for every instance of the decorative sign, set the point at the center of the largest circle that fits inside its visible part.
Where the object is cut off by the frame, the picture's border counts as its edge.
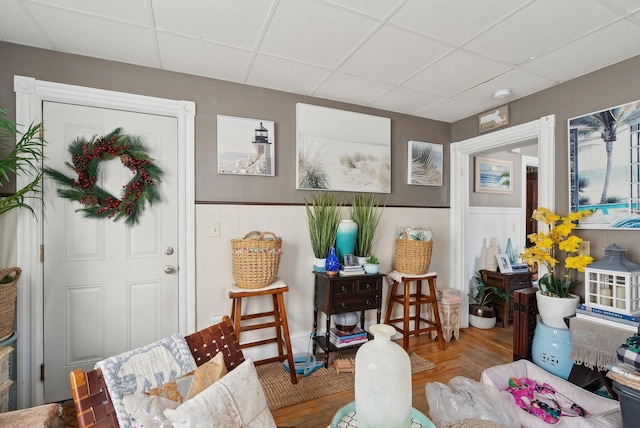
(493, 119)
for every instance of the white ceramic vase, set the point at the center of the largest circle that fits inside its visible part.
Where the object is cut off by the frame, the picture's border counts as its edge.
(482, 322)
(490, 262)
(383, 381)
(553, 310)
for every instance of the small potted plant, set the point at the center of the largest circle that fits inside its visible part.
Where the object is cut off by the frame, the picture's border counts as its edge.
(482, 313)
(366, 213)
(371, 264)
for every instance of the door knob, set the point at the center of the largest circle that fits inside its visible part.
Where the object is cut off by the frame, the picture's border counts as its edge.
(168, 251)
(168, 269)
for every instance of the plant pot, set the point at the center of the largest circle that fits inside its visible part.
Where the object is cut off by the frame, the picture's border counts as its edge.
(553, 310)
(319, 265)
(370, 268)
(483, 317)
(360, 260)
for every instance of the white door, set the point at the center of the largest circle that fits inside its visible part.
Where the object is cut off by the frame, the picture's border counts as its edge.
(105, 285)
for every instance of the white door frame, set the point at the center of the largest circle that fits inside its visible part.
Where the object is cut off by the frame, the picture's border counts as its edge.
(30, 93)
(461, 153)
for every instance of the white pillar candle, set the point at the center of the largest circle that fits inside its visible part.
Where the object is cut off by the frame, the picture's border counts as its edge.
(604, 300)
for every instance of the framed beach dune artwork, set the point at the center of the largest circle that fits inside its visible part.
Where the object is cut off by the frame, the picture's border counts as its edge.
(604, 168)
(424, 164)
(246, 146)
(341, 150)
(493, 176)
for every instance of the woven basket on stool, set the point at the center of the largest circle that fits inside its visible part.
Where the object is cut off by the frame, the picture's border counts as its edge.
(412, 256)
(255, 259)
(8, 295)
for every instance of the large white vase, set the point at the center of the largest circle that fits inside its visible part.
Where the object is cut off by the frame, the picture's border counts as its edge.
(552, 310)
(383, 382)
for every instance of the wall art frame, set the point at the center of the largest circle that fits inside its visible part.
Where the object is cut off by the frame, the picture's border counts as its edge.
(493, 176)
(424, 163)
(246, 146)
(341, 150)
(604, 174)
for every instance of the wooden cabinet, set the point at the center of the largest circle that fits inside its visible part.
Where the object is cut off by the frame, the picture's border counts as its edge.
(342, 294)
(525, 317)
(506, 282)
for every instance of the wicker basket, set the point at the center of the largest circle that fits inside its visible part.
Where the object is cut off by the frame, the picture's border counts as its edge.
(255, 259)
(8, 295)
(412, 256)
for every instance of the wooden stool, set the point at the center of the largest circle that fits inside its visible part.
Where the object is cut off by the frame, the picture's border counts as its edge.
(417, 299)
(279, 315)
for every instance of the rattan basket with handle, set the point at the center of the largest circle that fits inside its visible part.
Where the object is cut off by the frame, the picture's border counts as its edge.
(255, 259)
(8, 295)
(412, 256)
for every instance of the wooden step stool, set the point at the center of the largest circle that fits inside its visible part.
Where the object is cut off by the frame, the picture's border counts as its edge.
(279, 322)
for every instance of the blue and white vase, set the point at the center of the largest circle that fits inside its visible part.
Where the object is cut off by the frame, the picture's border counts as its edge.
(332, 265)
(346, 238)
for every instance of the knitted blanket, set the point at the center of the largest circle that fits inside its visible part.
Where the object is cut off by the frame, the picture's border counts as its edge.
(594, 345)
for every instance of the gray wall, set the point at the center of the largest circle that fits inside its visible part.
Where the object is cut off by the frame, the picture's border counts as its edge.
(214, 97)
(608, 87)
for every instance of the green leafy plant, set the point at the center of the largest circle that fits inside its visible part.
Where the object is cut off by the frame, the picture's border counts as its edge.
(323, 215)
(419, 236)
(366, 213)
(372, 260)
(22, 158)
(486, 295)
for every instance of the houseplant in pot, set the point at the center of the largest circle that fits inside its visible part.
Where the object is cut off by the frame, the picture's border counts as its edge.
(553, 297)
(323, 216)
(20, 154)
(371, 265)
(482, 313)
(366, 213)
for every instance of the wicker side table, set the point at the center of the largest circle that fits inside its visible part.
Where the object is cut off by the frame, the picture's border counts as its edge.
(450, 320)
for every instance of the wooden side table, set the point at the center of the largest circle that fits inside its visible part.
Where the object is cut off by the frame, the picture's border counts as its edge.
(340, 294)
(506, 282)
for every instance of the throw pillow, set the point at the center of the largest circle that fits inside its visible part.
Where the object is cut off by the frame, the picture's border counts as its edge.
(176, 390)
(208, 373)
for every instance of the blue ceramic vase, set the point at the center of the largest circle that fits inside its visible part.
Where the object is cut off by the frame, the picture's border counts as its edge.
(346, 238)
(332, 265)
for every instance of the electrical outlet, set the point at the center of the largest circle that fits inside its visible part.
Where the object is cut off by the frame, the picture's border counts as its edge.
(585, 248)
(215, 229)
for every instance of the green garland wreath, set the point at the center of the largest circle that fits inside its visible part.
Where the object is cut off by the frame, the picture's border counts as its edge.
(86, 156)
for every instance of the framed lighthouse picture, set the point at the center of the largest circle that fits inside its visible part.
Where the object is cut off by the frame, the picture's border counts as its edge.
(246, 146)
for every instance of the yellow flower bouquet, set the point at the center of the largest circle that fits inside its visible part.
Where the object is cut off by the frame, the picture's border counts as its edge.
(558, 238)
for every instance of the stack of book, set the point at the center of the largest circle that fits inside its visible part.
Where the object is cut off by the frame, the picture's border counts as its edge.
(348, 270)
(611, 318)
(341, 339)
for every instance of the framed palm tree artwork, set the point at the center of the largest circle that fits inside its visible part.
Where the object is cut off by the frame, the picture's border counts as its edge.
(604, 167)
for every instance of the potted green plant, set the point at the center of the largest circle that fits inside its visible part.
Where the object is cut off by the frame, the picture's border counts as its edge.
(21, 154)
(323, 216)
(482, 313)
(371, 265)
(366, 213)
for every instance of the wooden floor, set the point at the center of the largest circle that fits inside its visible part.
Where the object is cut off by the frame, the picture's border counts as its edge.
(475, 351)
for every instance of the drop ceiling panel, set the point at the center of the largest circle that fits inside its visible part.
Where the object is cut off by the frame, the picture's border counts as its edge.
(314, 32)
(237, 23)
(137, 12)
(521, 82)
(16, 25)
(374, 8)
(393, 55)
(348, 88)
(285, 75)
(448, 110)
(542, 26)
(405, 101)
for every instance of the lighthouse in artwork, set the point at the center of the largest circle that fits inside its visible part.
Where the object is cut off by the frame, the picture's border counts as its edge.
(262, 149)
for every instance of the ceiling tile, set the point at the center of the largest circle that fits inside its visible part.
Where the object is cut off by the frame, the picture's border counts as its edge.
(522, 83)
(285, 75)
(392, 55)
(97, 37)
(449, 110)
(236, 23)
(539, 28)
(375, 8)
(17, 26)
(405, 101)
(351, 89)
(137, 12)
(453, 21)
(567, 62)
(315, 33)
(625, 5)
(451, 75)
(179, 53)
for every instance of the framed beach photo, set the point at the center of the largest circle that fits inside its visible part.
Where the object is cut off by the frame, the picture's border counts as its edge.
(424, 163)
(504, 265)
(246, 146)
(604, 174)
(342, 150)
(493, 176)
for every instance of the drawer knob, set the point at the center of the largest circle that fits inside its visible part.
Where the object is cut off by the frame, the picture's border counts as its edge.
(368, 286)
(344, 289)
(368, 302)
(343, 305)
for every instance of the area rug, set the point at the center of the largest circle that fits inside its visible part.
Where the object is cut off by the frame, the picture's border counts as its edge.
(280, 392)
